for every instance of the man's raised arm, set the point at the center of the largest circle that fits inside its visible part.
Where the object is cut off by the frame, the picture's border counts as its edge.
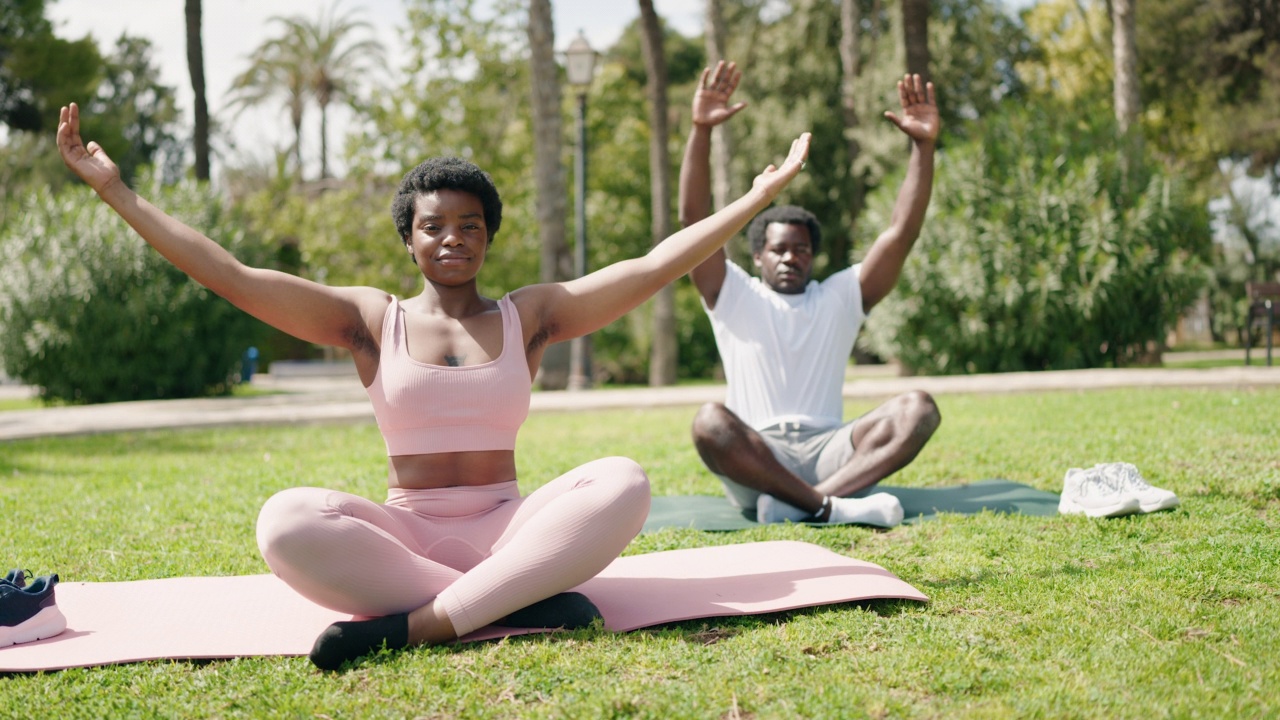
(919, 120)
(710, 108)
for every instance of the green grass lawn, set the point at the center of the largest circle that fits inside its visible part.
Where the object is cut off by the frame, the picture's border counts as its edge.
(1175, 614)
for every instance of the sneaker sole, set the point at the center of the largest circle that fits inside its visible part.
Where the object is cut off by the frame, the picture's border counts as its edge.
(1128, 506)
(44, 624)
(1166, 504)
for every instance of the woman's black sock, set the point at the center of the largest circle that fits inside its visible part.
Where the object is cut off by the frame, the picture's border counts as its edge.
(569, 610)
(350, 639)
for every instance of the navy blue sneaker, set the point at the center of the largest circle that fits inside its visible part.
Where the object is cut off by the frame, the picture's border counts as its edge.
(16, 577)
(29, 613)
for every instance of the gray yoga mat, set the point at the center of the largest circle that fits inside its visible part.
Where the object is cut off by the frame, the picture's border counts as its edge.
(708, 512)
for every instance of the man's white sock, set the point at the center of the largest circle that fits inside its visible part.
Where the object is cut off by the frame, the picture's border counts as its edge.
(772, 510)
(880, 509)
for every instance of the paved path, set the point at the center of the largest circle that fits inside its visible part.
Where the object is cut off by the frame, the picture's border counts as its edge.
(333, 399)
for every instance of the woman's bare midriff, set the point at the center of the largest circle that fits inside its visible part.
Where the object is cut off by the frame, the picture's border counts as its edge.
(438, 470)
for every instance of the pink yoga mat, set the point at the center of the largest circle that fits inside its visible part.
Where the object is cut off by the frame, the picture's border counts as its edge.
(222, 617)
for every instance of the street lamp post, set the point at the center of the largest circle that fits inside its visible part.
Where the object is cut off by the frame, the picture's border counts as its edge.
(580, 61)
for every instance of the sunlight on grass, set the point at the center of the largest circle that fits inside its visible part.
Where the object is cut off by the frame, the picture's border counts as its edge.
(1174, 614)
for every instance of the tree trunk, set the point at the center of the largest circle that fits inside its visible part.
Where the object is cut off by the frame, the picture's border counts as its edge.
(1125, 54)
(551, 190)
(195, 64)
(723, 185)
(915, 36)
(838, 250)
(295, 117)
(1124, 39)
(664, 353)
(721, 136)
(324, 142)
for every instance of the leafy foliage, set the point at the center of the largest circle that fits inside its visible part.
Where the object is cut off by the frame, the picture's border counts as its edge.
(1034, 256)
(125, 108)
(89, 313)
(39, 72)
(1206, 114)
(132, 115)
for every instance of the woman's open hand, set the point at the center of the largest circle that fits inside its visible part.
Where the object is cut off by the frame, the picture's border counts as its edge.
(773, 179)
(89, 162)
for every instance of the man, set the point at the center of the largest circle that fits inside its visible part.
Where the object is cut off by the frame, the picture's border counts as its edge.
(779, 443)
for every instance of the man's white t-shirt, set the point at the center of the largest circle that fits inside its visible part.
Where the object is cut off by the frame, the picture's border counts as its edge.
(785, 355)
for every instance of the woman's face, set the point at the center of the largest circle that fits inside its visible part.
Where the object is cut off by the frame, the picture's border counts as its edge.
(448, 239)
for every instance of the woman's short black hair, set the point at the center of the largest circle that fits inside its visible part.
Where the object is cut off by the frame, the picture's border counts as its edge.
(788, 215)
(446, 173)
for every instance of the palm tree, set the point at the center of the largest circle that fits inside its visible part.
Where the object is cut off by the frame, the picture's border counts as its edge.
(336, 66)
(195, 64)
(279, 67)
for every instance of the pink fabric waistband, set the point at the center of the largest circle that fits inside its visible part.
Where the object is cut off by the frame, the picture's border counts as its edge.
(452, 502)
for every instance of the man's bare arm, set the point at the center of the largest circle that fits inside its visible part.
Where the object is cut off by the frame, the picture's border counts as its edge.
(710, 108)
(884, 261)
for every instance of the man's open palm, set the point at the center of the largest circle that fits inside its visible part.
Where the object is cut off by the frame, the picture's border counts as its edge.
(919, 118)
(711, 101)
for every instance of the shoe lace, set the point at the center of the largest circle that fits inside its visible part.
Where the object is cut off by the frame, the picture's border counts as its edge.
(1095, 483)
(1127, 477)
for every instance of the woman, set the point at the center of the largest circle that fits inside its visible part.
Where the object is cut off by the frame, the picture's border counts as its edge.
(449, 373)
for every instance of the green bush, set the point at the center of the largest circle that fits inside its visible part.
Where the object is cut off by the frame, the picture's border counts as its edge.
(1040, 253)
(90, 313)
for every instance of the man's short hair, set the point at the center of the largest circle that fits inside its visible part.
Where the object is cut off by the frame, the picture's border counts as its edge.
(788, 215)
(446, 173)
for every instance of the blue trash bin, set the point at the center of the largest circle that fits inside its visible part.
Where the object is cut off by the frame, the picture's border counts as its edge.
(248, 364)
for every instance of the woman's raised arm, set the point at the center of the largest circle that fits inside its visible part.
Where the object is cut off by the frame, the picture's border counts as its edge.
(311, 311)
(584, 305)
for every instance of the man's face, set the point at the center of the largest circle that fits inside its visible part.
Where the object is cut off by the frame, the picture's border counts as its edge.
(786, 258)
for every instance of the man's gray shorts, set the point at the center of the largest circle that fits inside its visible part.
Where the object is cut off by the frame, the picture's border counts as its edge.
(813, 454)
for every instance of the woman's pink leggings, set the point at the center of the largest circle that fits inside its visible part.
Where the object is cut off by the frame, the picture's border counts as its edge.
(484, 551)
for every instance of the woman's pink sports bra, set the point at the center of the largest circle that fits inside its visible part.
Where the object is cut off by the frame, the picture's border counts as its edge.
(423, 408)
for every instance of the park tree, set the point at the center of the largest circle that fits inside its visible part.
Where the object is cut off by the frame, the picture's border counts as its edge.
(200, 103)
(1208, 115)
(279, 71)
(1127, 101)
(40, 72)
(1124, 48)
(915, 36)
(551, 188)
(134, 116)
(127, 110)
(715, 41)
(338, 62)
(664, 351)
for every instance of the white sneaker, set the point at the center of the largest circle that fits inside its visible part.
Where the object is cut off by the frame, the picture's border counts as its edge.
(1131, 482)
(1094, 493)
